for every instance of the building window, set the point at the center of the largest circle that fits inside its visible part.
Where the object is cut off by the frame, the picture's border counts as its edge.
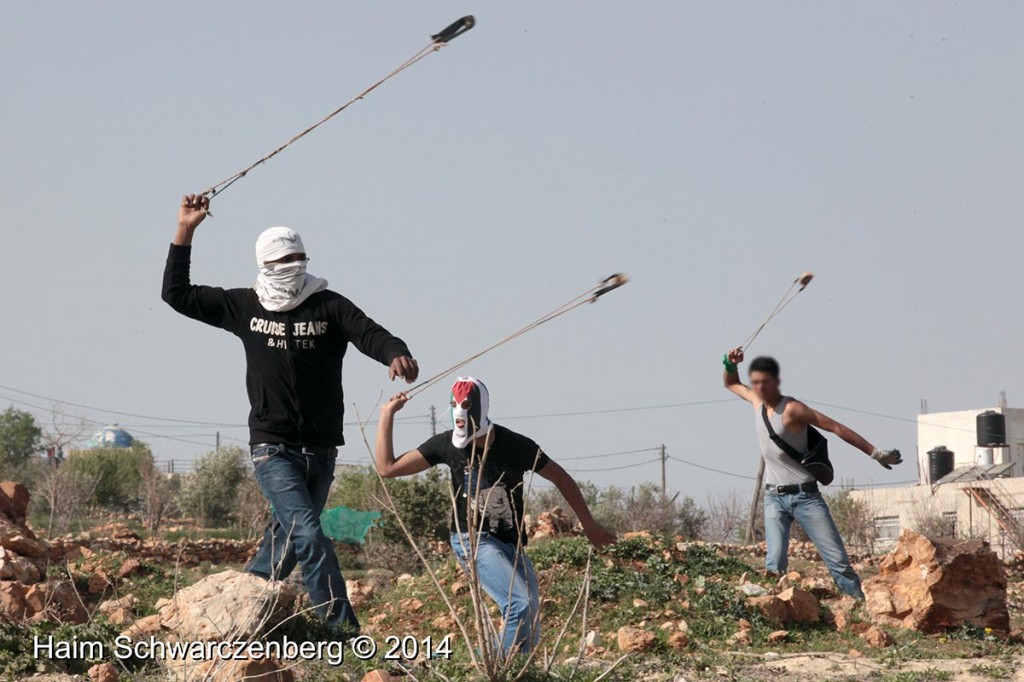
(949, 519)
(887, 527)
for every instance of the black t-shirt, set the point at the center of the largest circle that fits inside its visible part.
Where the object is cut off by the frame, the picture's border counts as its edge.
(500, 492)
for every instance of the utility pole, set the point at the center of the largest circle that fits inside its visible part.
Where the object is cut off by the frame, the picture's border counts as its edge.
(752, 516)
(217, 446)
(433, 420)
(664, 487)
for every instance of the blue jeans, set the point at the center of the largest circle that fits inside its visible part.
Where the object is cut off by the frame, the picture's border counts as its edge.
(811, 512)
(507, 576)
(297, 484)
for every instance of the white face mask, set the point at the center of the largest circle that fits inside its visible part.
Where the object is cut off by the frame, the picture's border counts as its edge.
(469, 404)
(284, 279)
(283, 286)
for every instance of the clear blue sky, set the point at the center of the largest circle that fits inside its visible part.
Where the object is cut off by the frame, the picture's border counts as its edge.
(711, 150)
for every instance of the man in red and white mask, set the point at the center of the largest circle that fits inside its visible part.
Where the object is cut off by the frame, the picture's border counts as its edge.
(487, 464)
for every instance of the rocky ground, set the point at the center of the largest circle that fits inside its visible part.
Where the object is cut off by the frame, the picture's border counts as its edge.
(659, 609)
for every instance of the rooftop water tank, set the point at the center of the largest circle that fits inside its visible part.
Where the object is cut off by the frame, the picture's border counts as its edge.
(991, 428)
(940, 462)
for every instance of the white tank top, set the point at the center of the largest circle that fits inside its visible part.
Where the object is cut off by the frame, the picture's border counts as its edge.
(780, 468)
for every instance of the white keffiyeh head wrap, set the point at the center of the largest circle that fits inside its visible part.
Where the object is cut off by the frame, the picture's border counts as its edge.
(283, 286)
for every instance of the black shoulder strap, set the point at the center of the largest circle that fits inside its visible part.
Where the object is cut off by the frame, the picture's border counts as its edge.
(777, 439)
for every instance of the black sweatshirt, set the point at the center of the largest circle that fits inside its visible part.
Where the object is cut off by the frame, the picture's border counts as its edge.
(293, 358)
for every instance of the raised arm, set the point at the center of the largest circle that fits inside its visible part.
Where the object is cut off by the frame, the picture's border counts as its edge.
(731, 375)
(408, 464)
(801, 413)
(566, 484)
(211, 305)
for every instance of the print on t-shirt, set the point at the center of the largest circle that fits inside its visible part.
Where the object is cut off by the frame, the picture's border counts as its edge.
(492, 501)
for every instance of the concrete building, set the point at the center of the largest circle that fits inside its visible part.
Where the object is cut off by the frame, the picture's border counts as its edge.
(958, 431)
(971, 481)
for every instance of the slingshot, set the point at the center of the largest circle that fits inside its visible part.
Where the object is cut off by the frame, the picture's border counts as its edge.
(591, 295)
(437, 41)
(803, 280)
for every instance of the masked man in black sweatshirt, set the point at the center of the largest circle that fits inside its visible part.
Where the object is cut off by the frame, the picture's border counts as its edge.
(295, 333)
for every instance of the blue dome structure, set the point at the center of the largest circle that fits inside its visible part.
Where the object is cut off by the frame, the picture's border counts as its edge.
(110, 437)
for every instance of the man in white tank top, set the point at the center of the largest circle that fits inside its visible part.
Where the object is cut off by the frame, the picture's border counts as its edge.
(791, 493)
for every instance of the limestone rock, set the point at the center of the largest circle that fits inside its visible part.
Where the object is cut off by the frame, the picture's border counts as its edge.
(125, 602)
(741, 638)
(819, 587)
(229, 605)
(635, 639)
(20, 540)
(103, 672)
(792, 605)
(233, 670)
(144, 627)
(99, 582)
(678, 640)
(14, 501)
(773, 608)
(842, 620)
(16, 567)
(129, 568)
(877, 637)
(933, 584)
(752, 589)
(551, 524)
(49, 601)
(801, 606)
(359, 592)
(778, 636)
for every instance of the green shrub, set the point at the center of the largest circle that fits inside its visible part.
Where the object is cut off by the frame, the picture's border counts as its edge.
(210, 493)
(115, 472)
(423, 502)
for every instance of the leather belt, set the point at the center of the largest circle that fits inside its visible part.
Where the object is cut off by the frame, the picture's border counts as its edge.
(317, 450)
(793, 489)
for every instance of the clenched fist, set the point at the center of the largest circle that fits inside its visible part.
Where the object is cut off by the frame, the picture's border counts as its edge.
(194, 209)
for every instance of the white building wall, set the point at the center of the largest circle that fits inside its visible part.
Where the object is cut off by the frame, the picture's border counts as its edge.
(915, 505)
(958, 432)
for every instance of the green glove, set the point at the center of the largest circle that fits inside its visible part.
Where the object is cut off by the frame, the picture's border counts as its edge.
(730, 367)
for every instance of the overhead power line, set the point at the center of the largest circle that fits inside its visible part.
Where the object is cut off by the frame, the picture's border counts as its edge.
(619, 468)
(606, 454)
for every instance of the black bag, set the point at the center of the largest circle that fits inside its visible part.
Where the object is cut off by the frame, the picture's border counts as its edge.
(815, 460)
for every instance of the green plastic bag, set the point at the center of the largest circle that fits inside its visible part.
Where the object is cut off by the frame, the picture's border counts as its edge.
(348, 526)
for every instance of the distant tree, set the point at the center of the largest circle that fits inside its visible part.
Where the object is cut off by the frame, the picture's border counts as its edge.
(854, 519)
(156, 493)
(544, 499)
(253, 509)
(20, 437)
(210, 493)
(64, 495)
(644, 508)
(116, 472)
(726, 514)
(63, 432)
